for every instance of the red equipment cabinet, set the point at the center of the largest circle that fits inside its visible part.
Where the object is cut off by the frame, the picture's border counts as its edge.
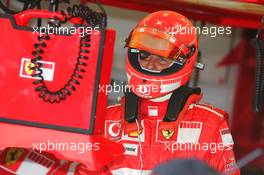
(25, 118)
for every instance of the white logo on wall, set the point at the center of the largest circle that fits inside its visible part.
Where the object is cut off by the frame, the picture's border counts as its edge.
(26, 70)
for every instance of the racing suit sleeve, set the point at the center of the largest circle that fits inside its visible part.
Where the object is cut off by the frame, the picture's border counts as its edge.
(224, 159)
(25, 161)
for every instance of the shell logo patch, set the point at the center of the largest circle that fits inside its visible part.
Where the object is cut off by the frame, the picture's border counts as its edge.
(135, 133)
(26, 70)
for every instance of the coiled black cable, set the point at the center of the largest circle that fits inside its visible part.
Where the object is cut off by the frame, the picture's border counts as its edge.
(259, 75)
(28, 4)
(89, 18)
(258, 100)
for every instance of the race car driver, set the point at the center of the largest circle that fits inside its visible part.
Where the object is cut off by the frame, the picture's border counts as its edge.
(160, 117)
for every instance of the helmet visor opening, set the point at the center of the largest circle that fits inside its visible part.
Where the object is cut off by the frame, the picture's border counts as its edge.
(157, 42)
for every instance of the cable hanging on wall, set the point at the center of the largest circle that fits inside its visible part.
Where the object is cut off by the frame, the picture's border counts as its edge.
(89, 18)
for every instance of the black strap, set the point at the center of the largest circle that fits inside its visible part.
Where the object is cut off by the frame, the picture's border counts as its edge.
(177, 101)
(131, 107)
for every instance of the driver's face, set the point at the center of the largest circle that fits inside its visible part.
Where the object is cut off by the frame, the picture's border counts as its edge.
(155, 63)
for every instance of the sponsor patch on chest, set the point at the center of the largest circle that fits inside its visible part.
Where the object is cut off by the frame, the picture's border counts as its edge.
(166, 131)
(153, 111)
(135, 137)
(113, 130)
(189, 132)
(131, 149)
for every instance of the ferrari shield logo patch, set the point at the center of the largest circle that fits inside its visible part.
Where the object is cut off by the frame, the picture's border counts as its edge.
(28, 68)
(135, 133)
(12, 156)
(167, 133)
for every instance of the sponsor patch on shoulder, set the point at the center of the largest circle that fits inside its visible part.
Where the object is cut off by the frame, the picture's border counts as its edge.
(226, 137)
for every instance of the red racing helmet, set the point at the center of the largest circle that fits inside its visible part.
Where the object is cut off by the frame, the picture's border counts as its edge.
(167, 34)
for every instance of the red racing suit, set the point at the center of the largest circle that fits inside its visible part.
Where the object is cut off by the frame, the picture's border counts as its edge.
(201, 131)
